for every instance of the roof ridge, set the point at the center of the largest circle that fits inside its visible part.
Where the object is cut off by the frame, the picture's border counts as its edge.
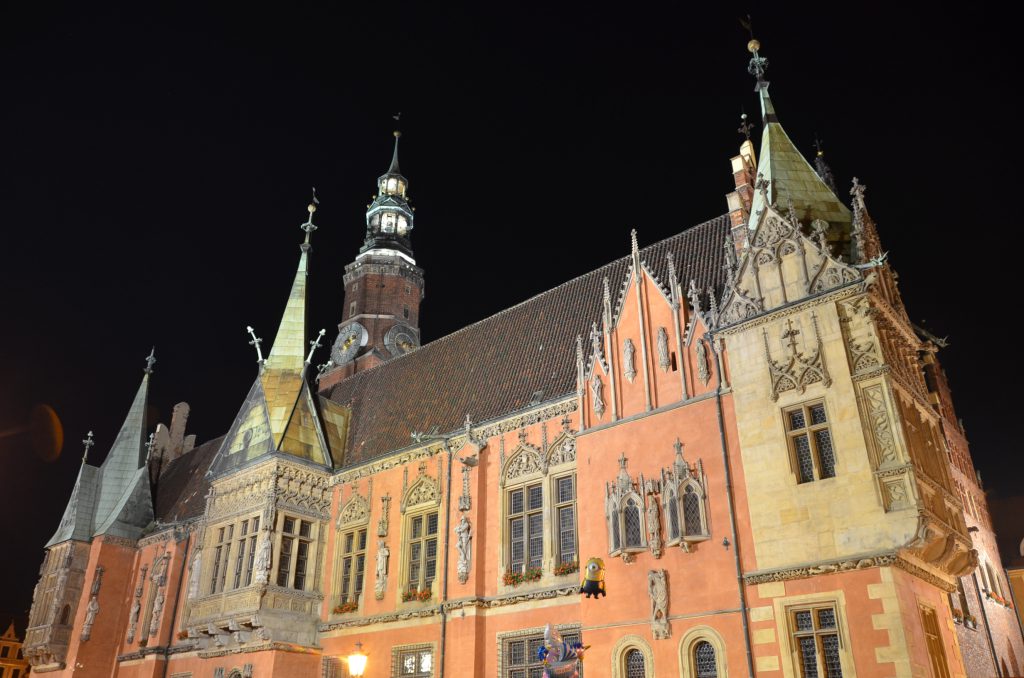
(704, 224)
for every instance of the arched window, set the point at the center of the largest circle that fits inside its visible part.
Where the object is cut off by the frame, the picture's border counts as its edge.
(693, 515)
(65, 615)
(684, 500)
(704, 660)
(631, 522)
(636, 667)
(673, 516)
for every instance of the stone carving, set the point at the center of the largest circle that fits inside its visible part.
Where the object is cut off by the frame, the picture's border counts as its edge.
(824, 567)
(261, 563)
(424, 489)
(800, 368)
(526, 460)
(596, 386)
(158, 608)
(464, 532)
(357, 510)
(881, 430)
(629, 360)
(90, 618)
(653, 520)
(703, 366)
(563, 451)
(657, 588)
(381, 576)
(133, 619)
(664, 361)
(896, 497)
(159, 575)
(465, 500)
(195, 570)
(247, 671)
(97, 581)
(385, 509)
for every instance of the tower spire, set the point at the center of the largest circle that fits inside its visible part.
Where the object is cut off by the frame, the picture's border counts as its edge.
(389, 218)
(394, 156)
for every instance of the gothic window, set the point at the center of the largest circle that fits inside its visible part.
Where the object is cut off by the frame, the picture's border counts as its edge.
(565, 514)
(221, 557)
(810, 442)
(353, 564)
(351, 309)
(518, 658)
(684, 500)
(933, 638)
(293, 560)
(704, 662)
(815, 638)
(65, 615)
(525, 527)
(632, 524)
(421, 550)
(636, 667)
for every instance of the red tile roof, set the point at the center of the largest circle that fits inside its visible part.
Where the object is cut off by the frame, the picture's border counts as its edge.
(493, 367)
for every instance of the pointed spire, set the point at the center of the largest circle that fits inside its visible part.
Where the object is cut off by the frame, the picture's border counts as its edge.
(289, 349)
(394, 156)
(788, 175)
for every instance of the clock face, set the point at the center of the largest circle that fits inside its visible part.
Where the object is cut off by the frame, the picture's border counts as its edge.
(401, 339)
(351, 338)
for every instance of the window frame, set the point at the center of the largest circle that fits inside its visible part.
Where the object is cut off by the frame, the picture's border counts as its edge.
(817, 633)
(810, 430)
(570, 633)
(526, 515)
(408, 540)
(938, 661)
(398, 652)
(556, 524)
(355, 595)
(288, 564)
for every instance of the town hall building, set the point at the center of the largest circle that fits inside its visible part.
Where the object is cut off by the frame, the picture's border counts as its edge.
(740, 421)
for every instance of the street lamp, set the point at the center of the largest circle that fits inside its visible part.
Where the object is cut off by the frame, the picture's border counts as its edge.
(357, 661)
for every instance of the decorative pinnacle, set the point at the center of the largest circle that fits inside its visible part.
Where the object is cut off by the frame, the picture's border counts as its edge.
(745, 126)
(87, 443)
(678, 444)
(635, 248)
(857, 191)
(149, 445)
(256, 341)
(758, 64)
(322, 369)
(622, 461)
(309, 226)
(315, 344)
(150, 361)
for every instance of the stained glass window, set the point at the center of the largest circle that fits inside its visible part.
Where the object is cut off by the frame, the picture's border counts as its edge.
(704, 658)
(810, 439)
(636, 667)
(816, 639)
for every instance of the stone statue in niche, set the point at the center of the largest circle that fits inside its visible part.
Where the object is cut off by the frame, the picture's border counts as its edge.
(262, 562)
(133, 619)
(629, 360)
(653, 520)
(90, 618)
(381, 579)
(595, 391)
(464, 532)
(664, 362)
(382, 524)
(703, 367)
(193, 577)
(657, 588)
(158, 608)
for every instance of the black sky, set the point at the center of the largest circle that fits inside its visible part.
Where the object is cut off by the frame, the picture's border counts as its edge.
(156, 165)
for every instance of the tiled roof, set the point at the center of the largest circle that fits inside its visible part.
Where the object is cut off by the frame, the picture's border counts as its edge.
(181, 490)
(493, 367)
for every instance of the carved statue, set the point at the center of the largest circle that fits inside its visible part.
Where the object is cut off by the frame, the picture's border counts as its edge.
(160, 570)
(664, 362)
(90, 618)
(158, 608)
(595, 392)
(194, 573)
(629, 360)
(133, 620)
(658, 591)
(653, 521)
(381, 582)
(261, 565)
(465, 536)
(703, 368)
(382, 525)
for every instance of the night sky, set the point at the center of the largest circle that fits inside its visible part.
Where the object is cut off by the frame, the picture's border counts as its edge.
(156, 167)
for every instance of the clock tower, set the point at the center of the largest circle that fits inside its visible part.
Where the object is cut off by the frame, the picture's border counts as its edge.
(383, 286)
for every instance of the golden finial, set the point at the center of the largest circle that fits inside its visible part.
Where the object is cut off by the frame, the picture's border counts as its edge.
(753, 46)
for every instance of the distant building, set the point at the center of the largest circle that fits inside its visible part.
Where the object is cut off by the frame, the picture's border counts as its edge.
(740, 420)
(12, 662)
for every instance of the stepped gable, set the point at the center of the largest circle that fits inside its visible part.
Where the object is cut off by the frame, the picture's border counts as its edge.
(493, 367)
(181, 494)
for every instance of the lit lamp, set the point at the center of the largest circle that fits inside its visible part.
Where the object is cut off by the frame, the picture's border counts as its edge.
(357, 661)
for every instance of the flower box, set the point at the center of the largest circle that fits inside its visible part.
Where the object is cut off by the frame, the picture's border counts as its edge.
(347, 606)
(512, 578)
(567, 568)
(416, 594)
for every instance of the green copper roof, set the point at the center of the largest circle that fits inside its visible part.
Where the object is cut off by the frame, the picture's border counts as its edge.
(791, 177)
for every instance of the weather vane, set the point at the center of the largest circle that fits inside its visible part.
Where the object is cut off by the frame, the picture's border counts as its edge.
(745, 126)
(309, 226)
(150, 360)
(758, 64)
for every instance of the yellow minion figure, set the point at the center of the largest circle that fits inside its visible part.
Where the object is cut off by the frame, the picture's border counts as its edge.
(593, 578)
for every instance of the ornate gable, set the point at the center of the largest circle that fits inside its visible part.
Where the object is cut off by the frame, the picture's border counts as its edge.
(782, 265)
